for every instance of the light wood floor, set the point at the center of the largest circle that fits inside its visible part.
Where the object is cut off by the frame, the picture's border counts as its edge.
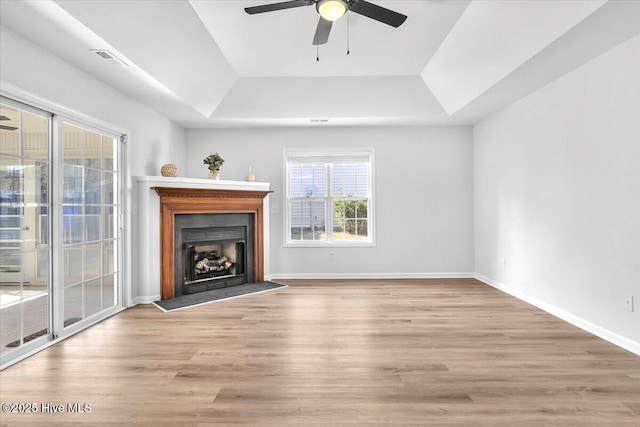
(410, 352)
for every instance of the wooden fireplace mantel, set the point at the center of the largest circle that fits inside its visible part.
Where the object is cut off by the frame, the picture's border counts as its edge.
(175, 200)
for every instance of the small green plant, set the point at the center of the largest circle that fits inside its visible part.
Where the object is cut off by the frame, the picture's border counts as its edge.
(214, 161)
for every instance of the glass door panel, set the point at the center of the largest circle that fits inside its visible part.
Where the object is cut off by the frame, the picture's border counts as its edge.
(10, 216)
(90, 222)
(25, 312)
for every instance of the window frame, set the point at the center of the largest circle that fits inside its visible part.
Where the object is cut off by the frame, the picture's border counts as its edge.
(288, 154)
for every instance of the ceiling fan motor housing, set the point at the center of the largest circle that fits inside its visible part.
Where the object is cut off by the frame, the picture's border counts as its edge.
(332, 10)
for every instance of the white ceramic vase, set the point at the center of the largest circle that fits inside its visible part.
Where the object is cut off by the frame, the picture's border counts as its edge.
(250, 176)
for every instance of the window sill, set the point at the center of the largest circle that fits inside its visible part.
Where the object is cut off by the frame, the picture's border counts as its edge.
(329, 245)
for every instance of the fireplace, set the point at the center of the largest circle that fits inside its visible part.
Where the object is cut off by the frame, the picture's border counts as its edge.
(212, 251)
(210, 224)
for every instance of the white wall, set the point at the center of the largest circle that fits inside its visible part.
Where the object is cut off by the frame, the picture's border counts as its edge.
(557, 196)
(154, 140)
(423, 195)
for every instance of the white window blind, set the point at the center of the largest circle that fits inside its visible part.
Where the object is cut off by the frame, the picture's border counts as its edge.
(329, 197)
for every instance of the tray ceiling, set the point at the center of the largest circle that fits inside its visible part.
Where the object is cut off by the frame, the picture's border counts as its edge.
(208, 63)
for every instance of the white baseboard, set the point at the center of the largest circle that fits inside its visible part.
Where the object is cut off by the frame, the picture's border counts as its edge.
(605, 334)
(276, 276)
(145, 300)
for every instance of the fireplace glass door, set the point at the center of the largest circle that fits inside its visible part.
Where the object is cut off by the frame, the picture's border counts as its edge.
(213, 260)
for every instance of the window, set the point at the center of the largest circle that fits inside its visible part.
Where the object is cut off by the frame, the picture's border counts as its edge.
(329, 197)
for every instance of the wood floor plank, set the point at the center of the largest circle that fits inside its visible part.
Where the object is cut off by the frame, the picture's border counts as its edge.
(334, 353)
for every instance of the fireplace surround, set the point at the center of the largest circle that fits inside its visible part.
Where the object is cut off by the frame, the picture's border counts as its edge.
(202, 203)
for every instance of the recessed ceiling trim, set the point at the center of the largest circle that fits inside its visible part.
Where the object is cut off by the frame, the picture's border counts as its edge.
(492, 39)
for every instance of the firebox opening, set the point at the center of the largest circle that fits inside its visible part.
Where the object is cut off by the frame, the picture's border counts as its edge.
(210, 261)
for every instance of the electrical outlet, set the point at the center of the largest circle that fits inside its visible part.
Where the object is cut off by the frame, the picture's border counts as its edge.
(332, 256)
(628, 303)
(275, 209)
(504, 262)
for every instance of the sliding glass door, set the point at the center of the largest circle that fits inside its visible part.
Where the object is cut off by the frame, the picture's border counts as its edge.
(60, 227)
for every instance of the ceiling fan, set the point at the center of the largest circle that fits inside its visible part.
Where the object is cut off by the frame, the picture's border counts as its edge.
(5, 127)
(332, 10)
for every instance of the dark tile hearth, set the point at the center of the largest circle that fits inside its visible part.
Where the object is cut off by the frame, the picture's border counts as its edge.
(199, 298)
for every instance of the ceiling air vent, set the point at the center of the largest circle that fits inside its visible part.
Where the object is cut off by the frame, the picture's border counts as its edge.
(318, 120)
(110, 57)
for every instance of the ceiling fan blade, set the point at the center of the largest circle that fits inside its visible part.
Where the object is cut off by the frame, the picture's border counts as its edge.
(378, 13)
(7, 127)
(322, 31)
(277, 6)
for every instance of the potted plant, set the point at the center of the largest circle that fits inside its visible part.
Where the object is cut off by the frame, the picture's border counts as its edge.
(214, 162)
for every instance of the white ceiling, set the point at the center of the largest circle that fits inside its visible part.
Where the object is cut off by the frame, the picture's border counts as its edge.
(495, 56)
(278, 44)
(206, 63)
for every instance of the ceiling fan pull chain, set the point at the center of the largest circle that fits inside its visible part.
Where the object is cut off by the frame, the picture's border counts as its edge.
(348, 50)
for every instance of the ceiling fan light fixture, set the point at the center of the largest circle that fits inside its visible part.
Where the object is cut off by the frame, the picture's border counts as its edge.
(331, 10)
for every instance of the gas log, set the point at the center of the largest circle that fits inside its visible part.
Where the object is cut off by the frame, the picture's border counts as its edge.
(210, 261)
(203, 262)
